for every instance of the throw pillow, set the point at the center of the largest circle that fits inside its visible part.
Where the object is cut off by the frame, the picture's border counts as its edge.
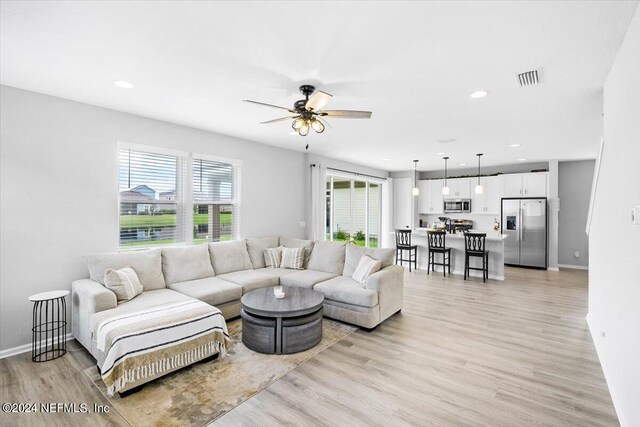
(366, 267)
(272, 257)
(292, 258)
(124, 283)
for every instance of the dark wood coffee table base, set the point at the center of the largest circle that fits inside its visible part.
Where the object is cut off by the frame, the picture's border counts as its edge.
(281, 335)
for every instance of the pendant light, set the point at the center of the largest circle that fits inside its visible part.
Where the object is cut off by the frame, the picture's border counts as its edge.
(479, 189)
(445, 189)
(416, 190)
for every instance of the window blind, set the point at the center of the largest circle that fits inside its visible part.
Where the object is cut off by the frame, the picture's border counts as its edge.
(216, 199)
(151, 195)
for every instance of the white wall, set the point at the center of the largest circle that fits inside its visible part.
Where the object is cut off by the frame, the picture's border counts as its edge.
(574, 190)
(59, 191)
(614, 242)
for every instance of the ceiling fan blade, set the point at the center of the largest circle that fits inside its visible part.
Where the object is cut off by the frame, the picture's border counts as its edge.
(346, 114)
(318, 100)
(324, 122)
(281, 119)
(269, 105)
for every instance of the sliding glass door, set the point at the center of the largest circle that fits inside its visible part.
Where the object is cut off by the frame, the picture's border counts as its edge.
(353, 210)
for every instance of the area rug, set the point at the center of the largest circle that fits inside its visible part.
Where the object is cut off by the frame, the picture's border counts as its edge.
(198, 394)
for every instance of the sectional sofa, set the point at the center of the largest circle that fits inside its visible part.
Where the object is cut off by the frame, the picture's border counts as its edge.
(220, 273)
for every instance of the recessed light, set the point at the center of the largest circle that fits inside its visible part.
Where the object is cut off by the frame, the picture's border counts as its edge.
(463, 164)
(479, 94)
(521, 160)
(385, 159)
(123, 84)
(514, 145)
(440, 154)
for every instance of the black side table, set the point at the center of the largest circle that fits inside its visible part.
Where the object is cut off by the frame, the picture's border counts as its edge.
(49, 331)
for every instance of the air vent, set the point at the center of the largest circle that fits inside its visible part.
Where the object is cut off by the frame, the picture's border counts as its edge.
(529, 78)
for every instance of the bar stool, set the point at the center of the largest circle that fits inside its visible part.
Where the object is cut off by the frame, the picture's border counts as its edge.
(403, 243)
(474, 244)
(437, 244)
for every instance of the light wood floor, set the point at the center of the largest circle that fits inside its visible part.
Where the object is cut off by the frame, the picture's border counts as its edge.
(512, 353)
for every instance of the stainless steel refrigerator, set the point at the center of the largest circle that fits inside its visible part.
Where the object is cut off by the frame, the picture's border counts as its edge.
(524, 221)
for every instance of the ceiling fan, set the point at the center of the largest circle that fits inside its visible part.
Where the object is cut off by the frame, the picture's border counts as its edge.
(308, 113)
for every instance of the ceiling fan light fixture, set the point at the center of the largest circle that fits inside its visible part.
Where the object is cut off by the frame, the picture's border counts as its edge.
(297, 123)
(317, 126)
(304, 129)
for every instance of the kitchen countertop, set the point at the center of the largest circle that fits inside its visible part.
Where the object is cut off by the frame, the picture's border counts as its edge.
(491, 235)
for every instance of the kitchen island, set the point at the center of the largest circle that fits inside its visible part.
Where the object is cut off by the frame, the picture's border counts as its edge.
(494, 244)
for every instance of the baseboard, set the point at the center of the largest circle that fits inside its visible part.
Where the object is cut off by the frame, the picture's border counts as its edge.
(596, 339)
(553, 269)
(472, 273)
(575, 267)
(26, 348)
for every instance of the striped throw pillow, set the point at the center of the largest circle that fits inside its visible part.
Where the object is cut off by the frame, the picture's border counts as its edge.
(272, 257)
(292, 258)
(124, 283)
(366, 267)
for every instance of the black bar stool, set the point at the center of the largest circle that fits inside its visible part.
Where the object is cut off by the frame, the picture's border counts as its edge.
(474, 244)
(403, 243)
(438, 245)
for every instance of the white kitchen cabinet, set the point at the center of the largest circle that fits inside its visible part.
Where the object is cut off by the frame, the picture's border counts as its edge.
(434, 204)
(459, 188)
(402, 200)
(512, 185)
(423, 197)
(490, 200)
(534, 184)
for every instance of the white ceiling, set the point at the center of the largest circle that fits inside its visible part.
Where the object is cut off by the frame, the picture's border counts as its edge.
(412, 64)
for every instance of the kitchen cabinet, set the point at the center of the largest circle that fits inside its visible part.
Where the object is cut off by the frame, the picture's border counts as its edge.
(525, 184)
(512, 184)
(459, 188)
(402, 201)
(423, 197)
(534, 184)
(490, 200)
(430, 198)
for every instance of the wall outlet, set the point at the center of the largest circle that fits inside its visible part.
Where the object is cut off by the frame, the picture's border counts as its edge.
(576, 254)
(302, 224)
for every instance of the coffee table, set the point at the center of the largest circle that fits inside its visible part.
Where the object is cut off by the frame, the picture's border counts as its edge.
(281, 326)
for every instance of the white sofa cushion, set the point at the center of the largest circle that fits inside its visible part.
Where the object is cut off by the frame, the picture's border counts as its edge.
(146, 263)
(256, 247)
(211, 290)
(227, 257)
(290, 242)
(328, 257)
(277, 272)
(347, 290)
(272, 257)
(305, 278)
(186, 263)
(124, 283)
(366, 267)
(353, 254)
(250, 279)
(292, 258)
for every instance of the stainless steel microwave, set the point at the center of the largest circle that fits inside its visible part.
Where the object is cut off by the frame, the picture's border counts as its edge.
(457, 205)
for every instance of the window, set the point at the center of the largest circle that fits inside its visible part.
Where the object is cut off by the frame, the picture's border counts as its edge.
(353, 210)
(162, 201)
(151, 212)
(216, 199)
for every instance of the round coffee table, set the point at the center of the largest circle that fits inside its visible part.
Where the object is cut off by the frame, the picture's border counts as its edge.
(281, 326)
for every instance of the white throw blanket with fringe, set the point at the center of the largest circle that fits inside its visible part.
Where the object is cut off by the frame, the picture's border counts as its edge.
(145, 344)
